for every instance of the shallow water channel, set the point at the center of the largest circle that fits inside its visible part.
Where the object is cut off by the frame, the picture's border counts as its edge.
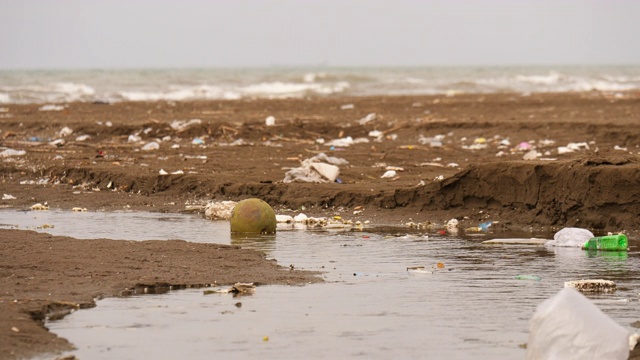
(369, 307)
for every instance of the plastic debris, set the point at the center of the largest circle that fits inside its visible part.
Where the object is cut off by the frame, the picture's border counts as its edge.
(151, 146)
(418, 270)
(177, 172)
(528, 277)
(591, 286)
(11, 152)
(570, 237)
(319, 169)
(347, 107)
(452, 225)
(530, 155)
(368, 118)
(163, 172)
(83, 138)
(79, 209)
(270, 121)
(569, 326)
(571, 147)
(181, 125)
(197, 141)
(51, 107)
(219, 210)
(343, 142)
(65, 131)
(39, 207)
(375, 133)
(389, 174)
(524, 146)
(134, 138)
(236, 289)
(284, 219)
(8, 197)
(611, 242)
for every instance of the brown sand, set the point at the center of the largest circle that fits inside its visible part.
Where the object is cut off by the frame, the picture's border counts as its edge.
(598, 188)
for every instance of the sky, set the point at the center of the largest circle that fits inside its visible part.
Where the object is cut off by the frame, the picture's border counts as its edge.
(73, 34)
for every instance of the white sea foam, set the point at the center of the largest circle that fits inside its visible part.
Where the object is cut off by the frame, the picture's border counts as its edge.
(48, 87)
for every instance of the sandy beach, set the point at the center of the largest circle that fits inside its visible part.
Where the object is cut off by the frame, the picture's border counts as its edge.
(541, 161)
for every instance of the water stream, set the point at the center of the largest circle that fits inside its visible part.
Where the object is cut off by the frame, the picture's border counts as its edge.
(369, 307)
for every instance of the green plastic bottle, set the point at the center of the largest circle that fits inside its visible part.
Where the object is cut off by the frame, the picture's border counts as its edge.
(617, 242)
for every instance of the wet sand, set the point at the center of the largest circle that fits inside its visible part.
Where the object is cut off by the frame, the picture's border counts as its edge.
(241, 157)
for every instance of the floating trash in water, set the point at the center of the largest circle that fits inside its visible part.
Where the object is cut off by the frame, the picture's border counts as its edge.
(236, 289)
(570, 326)
(79, 209)
(39, 206)
(220, 209)
(599, 285)
(528, 277)
(418, 270)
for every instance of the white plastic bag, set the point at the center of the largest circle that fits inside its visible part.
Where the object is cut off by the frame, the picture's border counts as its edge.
(569, 326)
(570, 237)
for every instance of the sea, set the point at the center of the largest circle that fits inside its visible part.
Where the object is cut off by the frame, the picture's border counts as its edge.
(104, 85)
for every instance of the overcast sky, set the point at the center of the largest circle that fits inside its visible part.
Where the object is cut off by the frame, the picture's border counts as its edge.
(189, 33)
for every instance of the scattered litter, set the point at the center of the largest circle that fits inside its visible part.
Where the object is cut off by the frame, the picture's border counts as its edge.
(394, 168)
(220, 210)
(516, 241)
(570, 237)
(65, 131)
(375, 133)
(83, 138)
(11, 152)
(343, 142)
(284, 219)
(368, 118)
(571, 147)
(318, 169)
(347, 107)
(162, 172)
(236, 289)
(438, 178)
(418, 270)
(51, 107)
(589, 286)
(389, 174)
(270, 121)
(617, 147)
(435, 141)
(300, 218)
(611, 242)
(177, 172)
(8, 197)
(530, 155)
(523, 146)
(452, 225)
(181, 125)
(79, 209)
(39, 206)
(57, 142)
(151, 146)
(134, 138)
(197, 141)
(570, 326)
(528, 277)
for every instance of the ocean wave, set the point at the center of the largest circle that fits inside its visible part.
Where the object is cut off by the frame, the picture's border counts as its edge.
(233, 84)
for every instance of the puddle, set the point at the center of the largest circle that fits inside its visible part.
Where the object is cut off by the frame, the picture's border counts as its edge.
(370, 306)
